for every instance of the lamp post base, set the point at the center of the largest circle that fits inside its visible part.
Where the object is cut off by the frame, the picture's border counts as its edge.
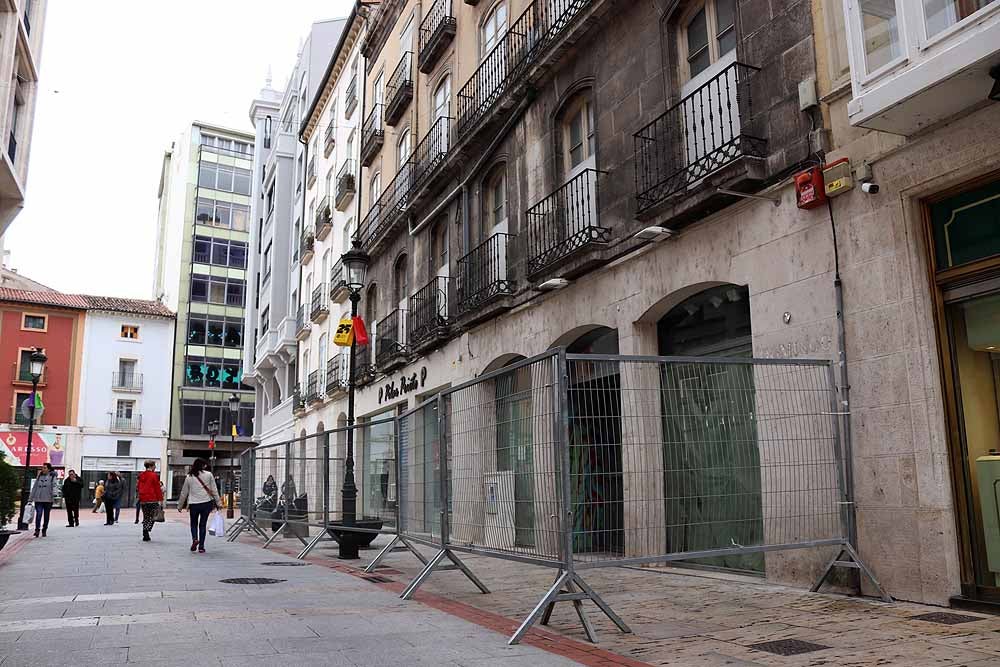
(353, 536)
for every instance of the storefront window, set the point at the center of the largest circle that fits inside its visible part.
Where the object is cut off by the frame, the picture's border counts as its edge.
(965, 228)
(380, 469)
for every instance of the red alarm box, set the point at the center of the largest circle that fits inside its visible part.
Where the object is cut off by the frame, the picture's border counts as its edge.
(810, 191)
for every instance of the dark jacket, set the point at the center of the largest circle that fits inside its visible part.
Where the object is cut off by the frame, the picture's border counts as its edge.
(113, 489)
(72, 490)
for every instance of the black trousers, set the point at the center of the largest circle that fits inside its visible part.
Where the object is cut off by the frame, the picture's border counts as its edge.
(73, 512)
(110, 506)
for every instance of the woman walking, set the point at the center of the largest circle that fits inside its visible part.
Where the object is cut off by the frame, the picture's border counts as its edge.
(42, 494)
(72, 490)
(150, 497)
(200, 495)
(114, 488)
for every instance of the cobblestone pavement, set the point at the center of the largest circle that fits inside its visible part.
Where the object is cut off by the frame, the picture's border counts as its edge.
(699, 619)
(98, 595)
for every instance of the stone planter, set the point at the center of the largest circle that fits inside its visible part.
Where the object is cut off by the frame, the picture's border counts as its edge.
(5, 535)
(362, 538)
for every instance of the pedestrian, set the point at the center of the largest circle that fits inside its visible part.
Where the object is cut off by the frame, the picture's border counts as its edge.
(270, 487)
(72, 489)
(98, 496)
(150, 496)
(114, 488)
(200, 495)
(42, 494)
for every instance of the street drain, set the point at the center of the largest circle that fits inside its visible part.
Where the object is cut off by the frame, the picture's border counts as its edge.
(945, 618)
(788, 647)
(251, 580)
(284, 563)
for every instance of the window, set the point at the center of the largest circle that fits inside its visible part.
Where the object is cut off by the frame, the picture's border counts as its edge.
(403, 149)
(376, 188)
(371, 310)
(321, 365)
(265, 320)
(267, 132)
(401, 280)
(708, 34)
(196, 332)
(216, 289)
(880, 26)
(439, 247)
(270, 199)
(836, 46)
(493, 29)
(442, 98)
(220, 252)
(34, 322)
(196, 415)
(267, 261)
(941, 14)
(222, 214)
(126, 372)
(224, 178)
(347, 234)
(130, 331)
(125, 410)
(24, 365)
(578, 132)
(19, 398)
(124, 448)
(213, 372)
(494, 200)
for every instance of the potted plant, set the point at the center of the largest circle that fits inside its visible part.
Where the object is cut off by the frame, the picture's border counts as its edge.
(8, 494)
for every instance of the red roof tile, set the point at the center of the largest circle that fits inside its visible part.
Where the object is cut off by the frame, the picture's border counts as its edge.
(43, 298)
(134, 306)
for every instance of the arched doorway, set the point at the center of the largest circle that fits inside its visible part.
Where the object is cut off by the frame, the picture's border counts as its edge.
(711, 459)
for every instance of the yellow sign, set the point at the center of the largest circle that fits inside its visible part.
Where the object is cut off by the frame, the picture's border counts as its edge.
(344, 335)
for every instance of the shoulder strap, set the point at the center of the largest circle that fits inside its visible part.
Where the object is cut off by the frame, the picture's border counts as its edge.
(204, 486)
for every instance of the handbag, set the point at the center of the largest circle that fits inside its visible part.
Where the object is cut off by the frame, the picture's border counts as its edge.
(159, 517)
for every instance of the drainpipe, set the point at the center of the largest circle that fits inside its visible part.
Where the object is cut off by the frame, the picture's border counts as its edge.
(302, 298)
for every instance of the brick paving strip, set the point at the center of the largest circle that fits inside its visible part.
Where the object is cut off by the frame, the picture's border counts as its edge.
(696, 619)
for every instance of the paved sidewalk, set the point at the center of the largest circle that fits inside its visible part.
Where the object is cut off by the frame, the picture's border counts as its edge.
(98, 595)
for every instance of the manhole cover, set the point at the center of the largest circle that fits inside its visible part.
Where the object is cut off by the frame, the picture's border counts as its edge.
(788, 647)
(284, 563)
(377, 579)
(945, 618)
(251, 580)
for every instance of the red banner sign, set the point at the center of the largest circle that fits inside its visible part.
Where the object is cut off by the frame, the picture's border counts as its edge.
(45, 448)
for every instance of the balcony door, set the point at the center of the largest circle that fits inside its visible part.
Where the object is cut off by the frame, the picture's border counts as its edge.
(126, 372)
(575, 207)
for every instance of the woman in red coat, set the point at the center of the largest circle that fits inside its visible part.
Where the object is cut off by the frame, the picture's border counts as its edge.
(150, 497)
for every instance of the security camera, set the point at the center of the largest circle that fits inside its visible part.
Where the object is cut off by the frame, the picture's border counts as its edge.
(870, 188)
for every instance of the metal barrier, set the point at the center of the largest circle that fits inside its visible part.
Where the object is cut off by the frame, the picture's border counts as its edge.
(576, 462)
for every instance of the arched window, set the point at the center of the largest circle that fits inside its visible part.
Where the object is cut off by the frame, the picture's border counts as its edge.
(494, 196)
(493, 28)
(579, 137)
(438, 255)
(376, 187)
(401, 280)
(442, 98)
(326, 266)
(371, 307)
(321, 361)
(403, 150)
(348, 230)
(707, 33)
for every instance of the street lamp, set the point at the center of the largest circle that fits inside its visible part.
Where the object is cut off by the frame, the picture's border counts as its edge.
(36, 363)
(234, 411)
(213, 430)
(356, 263)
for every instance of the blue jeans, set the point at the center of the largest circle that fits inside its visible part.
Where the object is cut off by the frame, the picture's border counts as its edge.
(40, 509)
(199, 520)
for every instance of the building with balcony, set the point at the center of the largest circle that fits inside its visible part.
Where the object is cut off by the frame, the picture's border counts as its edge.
(200, 270)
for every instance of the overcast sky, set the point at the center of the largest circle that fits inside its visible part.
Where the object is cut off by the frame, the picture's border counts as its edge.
(119, 80)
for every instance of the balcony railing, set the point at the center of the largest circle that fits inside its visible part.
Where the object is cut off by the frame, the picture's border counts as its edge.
(338, 281)
(311, 172)
(351, 96)
(697, 136)
(429, 313)
(302, 324)
(564, 222)
(298, 400)
(128, 381)
(23, 375)
(538, 27)
(484, 274)
(307, 246)
(431, 152)
(387, 210)
(324, 217)
(372, 135)
(334, 376)
(312, 388)
(345, 185)
(329, 139)
(390, 341)
(364, 371)
(437, 30)
(131, 424)
(320, 307)
(399, 90)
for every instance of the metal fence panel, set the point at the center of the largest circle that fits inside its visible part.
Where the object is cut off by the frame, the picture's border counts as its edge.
(420, 459)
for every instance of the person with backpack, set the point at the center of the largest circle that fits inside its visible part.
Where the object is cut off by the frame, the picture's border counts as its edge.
(42, 494)
(150, 497)
(200, 495)
(72, 489)
(114, 489)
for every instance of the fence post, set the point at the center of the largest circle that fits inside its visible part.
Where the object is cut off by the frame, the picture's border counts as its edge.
(442, 429)
(326, 481)
(560, 441)
(284, 484)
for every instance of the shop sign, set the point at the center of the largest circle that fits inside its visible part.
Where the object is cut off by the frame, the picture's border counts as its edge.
(45, 448)
(405, 385)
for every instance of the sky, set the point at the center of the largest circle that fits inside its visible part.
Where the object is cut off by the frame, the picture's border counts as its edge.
(119, 80)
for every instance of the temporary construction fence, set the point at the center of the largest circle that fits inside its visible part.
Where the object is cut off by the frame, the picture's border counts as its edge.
(576, 462)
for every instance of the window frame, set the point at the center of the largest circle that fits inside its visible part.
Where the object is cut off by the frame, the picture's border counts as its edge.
(712, 33)
(497, 175)
(122, 332)
(489, 18)
(581, 106)
(24, 319)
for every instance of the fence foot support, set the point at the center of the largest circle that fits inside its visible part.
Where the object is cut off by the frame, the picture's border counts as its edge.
(854, 563)
(434, 563)
(396, 539)
(565, 590)
(237, 527)
(275, 535)
(312, 543)
(246, 525)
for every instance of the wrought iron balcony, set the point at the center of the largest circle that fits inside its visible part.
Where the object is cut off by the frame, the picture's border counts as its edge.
(324, 218)
(430, 314)
(484, 274)
(437, 30)
(431, 152)
(399, 90)
(345, 185)
(565, 222)
(302, 324)
(364, 371)
(372, 135)
(306, 247)
(335, 380)
(338, 282)
(128, 381)
(313, 389)
(700, 134)
(351, 96)
(298, 400)
(131, 424)
(320, 307)
(387, 212)
(390, 341)
(311, 172)
(329, 139)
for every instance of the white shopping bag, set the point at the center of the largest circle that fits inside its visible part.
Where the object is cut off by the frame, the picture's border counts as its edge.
(29, 513)
(217, 525)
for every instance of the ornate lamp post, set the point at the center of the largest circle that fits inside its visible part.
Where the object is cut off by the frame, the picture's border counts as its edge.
(213, 431)
(356, 263)
(234, 412)
(37, 367)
